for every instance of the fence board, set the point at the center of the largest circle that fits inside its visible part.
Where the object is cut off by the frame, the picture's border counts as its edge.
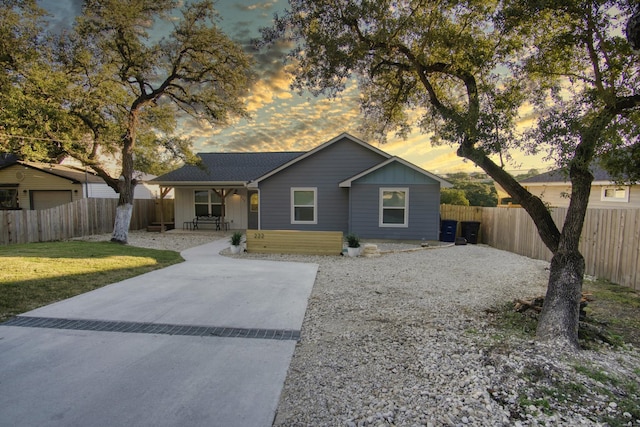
(80, 218)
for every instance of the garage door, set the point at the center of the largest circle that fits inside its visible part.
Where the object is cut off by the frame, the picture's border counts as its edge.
(49, 199)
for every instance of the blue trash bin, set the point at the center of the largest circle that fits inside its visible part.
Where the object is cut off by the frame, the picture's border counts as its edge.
(448, 228)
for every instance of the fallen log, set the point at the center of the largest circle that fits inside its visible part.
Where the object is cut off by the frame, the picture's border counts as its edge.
(535, 304)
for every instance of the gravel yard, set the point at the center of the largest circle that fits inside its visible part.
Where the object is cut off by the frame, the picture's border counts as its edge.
(408, 338)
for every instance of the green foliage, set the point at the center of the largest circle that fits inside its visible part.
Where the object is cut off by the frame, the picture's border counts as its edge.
(474, 188)
(353, 241)
(584, 74)
(480, 194)
(236, 238)
(37, 274)
(530, 173)
(452, 196)
(107, 88)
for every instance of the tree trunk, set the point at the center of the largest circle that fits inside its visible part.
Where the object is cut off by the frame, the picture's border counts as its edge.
(122, 223)
(558, 324)
(559, 320)
(125, 203)
(123, 213)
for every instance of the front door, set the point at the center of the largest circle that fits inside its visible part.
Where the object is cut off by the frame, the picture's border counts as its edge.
(254, 200)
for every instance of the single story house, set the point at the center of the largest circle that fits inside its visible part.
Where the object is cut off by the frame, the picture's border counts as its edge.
(554, 188)
(343, 185)
(35, 186)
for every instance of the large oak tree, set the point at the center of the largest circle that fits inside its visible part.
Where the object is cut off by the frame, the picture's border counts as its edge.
(462, 72)
(117, 84)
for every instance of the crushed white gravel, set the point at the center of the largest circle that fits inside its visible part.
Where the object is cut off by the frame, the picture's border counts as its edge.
(408, 339)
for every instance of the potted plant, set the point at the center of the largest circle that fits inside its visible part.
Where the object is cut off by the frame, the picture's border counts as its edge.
(236, 242)
(353, 244)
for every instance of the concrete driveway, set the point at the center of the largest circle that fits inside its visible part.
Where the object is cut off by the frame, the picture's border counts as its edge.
(204, 343)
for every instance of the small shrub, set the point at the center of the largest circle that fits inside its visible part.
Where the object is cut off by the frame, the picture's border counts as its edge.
(353, 241)
(236, 238)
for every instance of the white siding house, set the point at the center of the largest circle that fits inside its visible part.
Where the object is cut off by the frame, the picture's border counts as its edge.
(554, 188)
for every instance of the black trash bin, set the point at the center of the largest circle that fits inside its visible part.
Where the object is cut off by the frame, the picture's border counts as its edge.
(448, 228)
(469, 230)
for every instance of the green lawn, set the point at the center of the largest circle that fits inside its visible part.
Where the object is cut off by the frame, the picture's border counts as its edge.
(38, 274)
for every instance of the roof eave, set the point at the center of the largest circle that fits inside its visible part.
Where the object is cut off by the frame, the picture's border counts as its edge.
(231, 184)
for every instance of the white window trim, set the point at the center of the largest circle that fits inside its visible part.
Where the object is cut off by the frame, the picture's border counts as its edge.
(381, 207)
(209, 203)
(315, 205)
(624, 199)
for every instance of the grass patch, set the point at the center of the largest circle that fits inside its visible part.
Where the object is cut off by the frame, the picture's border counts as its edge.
(522, 324)
(37, 274)
(613, 316)
(616, 308)
(623, 391)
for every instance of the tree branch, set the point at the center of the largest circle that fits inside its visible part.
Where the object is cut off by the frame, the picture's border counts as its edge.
(539, 213)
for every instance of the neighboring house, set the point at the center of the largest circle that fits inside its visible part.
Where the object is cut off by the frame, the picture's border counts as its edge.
(343, 185)
(33, 185)
(554, 188)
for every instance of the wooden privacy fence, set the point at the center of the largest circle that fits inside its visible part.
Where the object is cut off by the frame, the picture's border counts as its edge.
(610, 241)
(80, 218)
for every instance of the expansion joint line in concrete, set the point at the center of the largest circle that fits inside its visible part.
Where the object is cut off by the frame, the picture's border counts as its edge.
(152, 328)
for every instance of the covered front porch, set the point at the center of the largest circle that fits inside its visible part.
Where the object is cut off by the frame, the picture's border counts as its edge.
(206, 207)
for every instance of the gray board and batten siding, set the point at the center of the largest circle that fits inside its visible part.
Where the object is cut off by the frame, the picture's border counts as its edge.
(324, 170)
(423, 220)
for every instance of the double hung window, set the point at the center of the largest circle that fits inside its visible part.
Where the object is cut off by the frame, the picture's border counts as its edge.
(304, 206)
(394, 207)
(207, 203)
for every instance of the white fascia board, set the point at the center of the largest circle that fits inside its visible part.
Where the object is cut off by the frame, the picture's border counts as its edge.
(562, 183)
(227, 184)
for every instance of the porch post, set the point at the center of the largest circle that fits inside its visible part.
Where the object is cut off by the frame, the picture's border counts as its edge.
(163, 192)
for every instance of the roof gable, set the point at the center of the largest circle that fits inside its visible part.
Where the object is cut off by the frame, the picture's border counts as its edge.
(395, 160)
(339, 138)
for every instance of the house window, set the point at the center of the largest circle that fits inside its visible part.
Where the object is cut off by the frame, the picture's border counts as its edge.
(394, 207)
(253, 202)
(9, 197)
(303, 205)
(207, 202)
(615, 194)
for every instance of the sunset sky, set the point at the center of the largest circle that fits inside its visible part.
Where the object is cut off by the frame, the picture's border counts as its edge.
(283, 120)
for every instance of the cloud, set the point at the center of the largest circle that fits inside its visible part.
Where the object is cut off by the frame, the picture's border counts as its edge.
(273, 84)
(267, 5)
(295, 124)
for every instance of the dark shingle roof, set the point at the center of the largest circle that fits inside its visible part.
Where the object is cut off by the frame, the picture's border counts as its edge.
(230, 167)
(7, 159)
(68, 172)
(558, 175)
(73, 174)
